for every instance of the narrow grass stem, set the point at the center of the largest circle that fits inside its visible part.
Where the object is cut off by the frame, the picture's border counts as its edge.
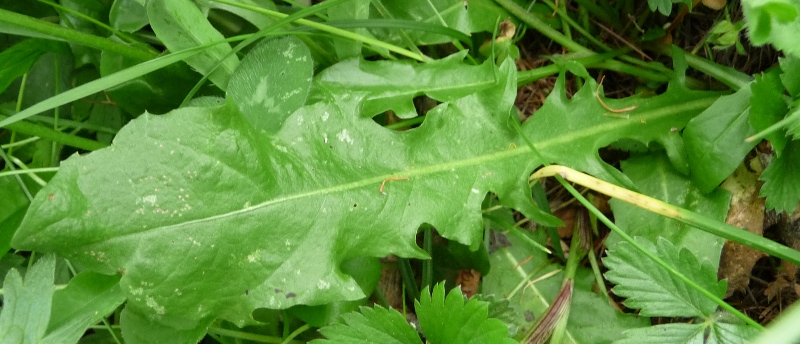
(682, 215)
(31, 27)
(43, 132)
(29, 171)
(724, 305)
(248, 336)
(332, 30)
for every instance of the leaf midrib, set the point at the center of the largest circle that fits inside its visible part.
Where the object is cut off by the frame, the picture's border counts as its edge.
(432, 169)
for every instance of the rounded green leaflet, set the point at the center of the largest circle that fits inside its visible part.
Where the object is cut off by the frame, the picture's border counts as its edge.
(272, 82)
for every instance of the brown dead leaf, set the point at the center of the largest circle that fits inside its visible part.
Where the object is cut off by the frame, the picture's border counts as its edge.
(469, 281)
(746, 211)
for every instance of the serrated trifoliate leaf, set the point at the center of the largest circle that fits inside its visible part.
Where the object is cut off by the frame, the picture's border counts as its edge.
(87, 298)
(654, 291)
(767, 106)
(654, 176)
(26, 303)
(389, 85)
(272, 81)
(715, 140)
(781, 180)
(453, 319)
(372, 325)
(180, 25)
(653, 120)
(773, 21)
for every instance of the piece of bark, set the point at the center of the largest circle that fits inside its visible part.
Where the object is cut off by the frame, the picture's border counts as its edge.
(746, 211)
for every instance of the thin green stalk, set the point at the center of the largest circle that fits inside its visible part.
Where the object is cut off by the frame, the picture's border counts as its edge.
(540, 198)
(792, 118)
(111, 331)
(539, 25)
(28, 171)
(599, 12)
(406, 123)
(58, 32)
(407, 274)
(25, 167)
(46, 133)
(385, 12)
(529, 76)
(114, 31)
(21, 142)
(10, 166)
(724, 305)
(249, 39)
(109, 81)
(248, 336)
(427, 264)
(332, 30)
(693, 219)
(295, 333)
(514, 230)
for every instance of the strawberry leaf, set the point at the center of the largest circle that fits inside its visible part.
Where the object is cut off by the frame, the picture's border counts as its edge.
(709, 332)
(372, 325)
(655, 292)
(781, 180)
(456, 320)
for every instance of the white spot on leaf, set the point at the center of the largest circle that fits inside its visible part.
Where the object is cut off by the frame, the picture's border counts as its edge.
(323, 284)
(344, 136)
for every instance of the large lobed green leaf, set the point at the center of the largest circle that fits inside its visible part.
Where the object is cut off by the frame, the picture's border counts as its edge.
(208, 218)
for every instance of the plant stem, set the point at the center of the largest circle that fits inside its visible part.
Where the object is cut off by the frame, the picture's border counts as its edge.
(682, 215)
(41, 28)
(332, 30)
(43, 132)
(247, 336)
